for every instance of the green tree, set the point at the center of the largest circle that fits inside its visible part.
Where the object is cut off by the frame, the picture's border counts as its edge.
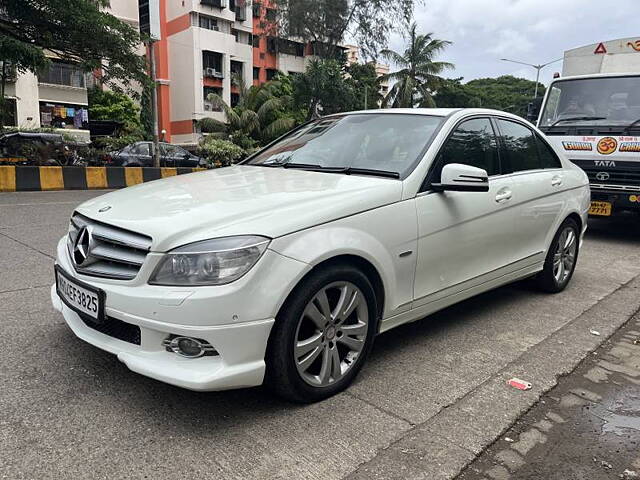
(115, 106)
(452, 93)
(506, 93)
(365, 84)
(322, 89)
(326, 23)
(76, 31)
(419, 74)
(258, 117)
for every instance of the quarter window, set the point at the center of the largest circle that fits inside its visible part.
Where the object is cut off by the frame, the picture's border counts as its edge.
(548, 157)
(473, 143)
(142, 149)
(520, 146)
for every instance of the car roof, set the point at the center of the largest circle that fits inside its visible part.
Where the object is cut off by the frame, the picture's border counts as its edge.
(435, 112)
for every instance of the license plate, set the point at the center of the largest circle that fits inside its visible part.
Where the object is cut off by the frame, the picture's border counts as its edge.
(80, 297)
(600, 208)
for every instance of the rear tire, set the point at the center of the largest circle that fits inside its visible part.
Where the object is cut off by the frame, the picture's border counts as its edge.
(562, 258)
(322, 335)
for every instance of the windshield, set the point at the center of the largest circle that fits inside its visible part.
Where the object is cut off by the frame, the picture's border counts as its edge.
(593, 101)
(385, 142)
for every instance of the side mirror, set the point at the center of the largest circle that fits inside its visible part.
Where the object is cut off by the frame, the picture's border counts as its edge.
(457, 177)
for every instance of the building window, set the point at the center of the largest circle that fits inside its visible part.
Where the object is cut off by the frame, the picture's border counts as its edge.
(209, 23)
(256, 73)
(235, 99)
(9, 113)
(212, 64)
(271, 73)
(272, 45)
(237, 69)
(236, 34)
(271, 14)
(256, 9)
(60, 73)
(256, 41)
(208, 106)
(213, 3)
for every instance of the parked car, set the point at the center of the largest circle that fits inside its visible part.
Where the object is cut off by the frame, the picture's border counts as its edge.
(39, 148)
(285, 267)
(140, 154)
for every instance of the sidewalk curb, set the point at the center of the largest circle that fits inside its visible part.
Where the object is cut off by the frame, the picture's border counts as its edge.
(25, 179)
(444, 445)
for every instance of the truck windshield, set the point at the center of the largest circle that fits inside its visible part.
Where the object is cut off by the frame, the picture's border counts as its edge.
(389, 143)
(592, 101)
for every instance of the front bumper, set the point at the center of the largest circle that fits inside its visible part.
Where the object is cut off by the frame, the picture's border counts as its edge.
(241, 348)
(620, 201)
(236, 319)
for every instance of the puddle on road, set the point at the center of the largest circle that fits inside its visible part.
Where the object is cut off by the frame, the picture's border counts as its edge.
(620, 413)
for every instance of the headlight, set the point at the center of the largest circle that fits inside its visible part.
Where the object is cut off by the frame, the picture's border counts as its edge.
(211, 262)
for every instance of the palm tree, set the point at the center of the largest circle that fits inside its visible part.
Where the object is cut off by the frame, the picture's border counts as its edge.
(259, 115)
(419, 74)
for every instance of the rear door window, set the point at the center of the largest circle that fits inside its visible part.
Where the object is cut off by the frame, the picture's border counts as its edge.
(520, 146)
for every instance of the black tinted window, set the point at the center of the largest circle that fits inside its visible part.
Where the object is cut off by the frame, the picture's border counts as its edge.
(521, 147)
(142, 149)
(548, 157)
(472, 143)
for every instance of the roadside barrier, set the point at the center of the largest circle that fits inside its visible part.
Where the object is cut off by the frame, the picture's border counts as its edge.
(21, 179)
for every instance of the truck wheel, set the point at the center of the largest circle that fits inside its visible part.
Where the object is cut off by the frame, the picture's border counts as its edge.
(322, 335)
(561, 258)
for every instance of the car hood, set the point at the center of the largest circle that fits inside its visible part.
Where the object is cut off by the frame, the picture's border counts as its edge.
(238, 200)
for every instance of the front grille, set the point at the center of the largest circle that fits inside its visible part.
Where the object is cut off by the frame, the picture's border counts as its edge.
(618, 175)
(107, 251)
(116, 328)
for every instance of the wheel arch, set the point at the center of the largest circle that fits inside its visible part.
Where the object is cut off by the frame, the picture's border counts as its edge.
(357, 261)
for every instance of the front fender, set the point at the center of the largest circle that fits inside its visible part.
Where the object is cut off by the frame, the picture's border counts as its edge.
(386, 237)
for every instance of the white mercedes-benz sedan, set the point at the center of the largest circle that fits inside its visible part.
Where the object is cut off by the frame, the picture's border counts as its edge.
(284, 268)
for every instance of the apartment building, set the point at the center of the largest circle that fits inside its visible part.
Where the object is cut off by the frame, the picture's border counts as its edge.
(203, 45)
(56, 98)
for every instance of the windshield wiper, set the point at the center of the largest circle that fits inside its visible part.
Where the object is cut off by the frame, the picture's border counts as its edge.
(345, 170)
(571, 119)
(630, 126)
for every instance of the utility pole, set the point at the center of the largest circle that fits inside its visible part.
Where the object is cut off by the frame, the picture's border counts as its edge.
(537, 67)
(154, 104)
(366, 96)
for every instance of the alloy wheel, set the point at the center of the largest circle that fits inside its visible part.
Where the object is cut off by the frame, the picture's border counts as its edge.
(564, 258)
(331, 333)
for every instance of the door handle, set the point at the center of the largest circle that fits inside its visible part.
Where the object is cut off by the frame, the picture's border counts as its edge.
(503, 196)
(556, 181)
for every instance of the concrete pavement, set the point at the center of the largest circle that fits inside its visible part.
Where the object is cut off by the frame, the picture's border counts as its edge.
(431, 398)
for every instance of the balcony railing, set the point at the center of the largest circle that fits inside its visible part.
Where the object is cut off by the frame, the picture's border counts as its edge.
(63, 74)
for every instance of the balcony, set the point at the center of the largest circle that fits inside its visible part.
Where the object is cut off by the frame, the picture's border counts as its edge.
(63, 74)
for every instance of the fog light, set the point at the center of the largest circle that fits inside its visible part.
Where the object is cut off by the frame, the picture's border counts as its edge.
(189, 347)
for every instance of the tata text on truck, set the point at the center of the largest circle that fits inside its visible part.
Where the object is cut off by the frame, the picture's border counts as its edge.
(595, 119)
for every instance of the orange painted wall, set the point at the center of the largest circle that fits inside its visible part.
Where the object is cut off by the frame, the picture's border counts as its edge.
(261, 57)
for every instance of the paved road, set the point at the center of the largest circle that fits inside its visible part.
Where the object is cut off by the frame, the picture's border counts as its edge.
(432, 397)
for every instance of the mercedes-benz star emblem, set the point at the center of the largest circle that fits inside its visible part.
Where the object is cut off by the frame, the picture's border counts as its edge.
(602, 176)
(82, 246)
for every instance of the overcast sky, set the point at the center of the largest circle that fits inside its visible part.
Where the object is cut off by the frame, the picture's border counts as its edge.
(532, 31)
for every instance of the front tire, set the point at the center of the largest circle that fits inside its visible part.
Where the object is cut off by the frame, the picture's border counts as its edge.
(322, 335)
(561, 258)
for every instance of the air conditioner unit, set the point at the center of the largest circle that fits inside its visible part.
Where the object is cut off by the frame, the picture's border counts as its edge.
(207, 107)
(210, 72)
(216, 28)
(217, 74)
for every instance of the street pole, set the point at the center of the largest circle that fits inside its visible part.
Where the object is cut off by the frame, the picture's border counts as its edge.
(366, 96)
(538, 68)
(154, 105)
